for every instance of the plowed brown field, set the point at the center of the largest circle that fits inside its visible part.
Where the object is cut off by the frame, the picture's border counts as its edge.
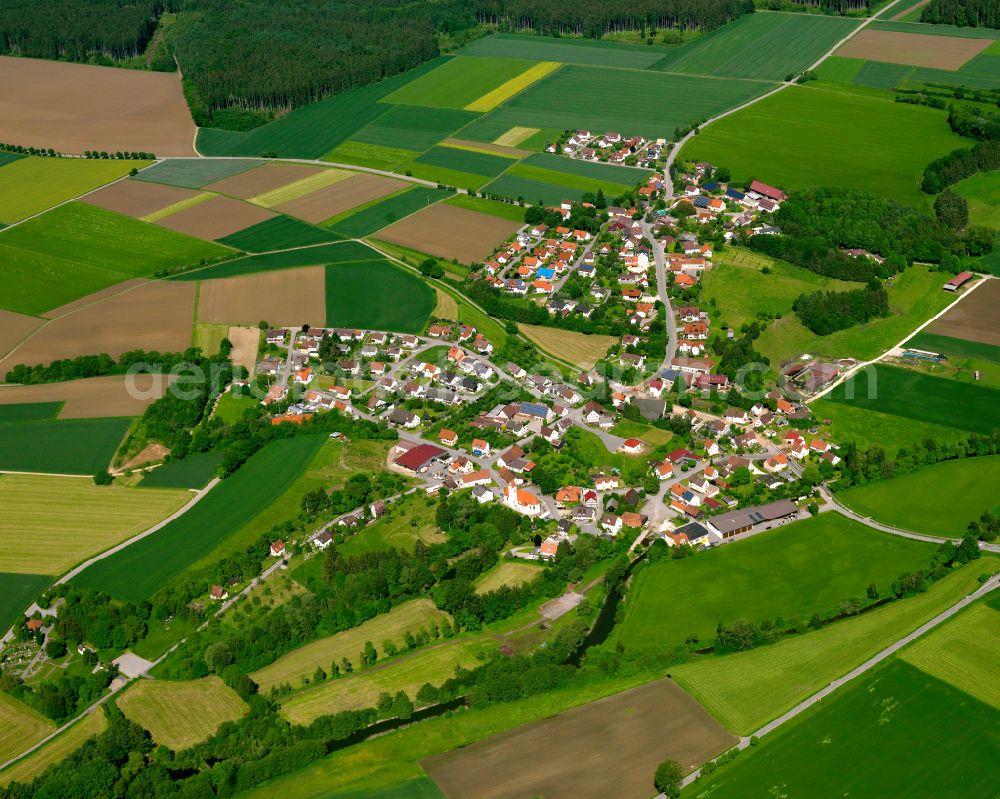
(77, 107)
(94, 397)
(262, 179)
(332, 200)
(13, 328)
(284, 297)
(915, 49)
(975, 318)
(450, 232)
(137, 198)
(215, 218)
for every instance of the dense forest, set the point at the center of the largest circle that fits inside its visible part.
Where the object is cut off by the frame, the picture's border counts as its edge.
(245, 60)
(974, 13)
(825, 312)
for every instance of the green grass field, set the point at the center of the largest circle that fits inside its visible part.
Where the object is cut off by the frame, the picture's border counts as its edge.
(955, 347)
(913, 501)
(61, 446)
(30, 411)
(277, 233)
(768, 46)
(568, 50)
(301, 663)
(376, 156)
(789, 573)
(9, 158)
(532, 190)
(830, 136)
(30, 185)
(26, 770)
(20, 727)
(377, 295)
(193, 173)
(982, 191)
(914, 298)
(337, 252)
(630, 101)
(748, 689)
(311, 130)
(964, 651)
(373, 217)
(592, 170)
(410, 520)
(139, 571)
(77, 249)
(192, 472)
(446, 177)
(180, 714)
(231, 407)
(362, 689)
(914, 395)
(515, 213)
(464, 161)
(508, 573)
(894, 732)
(413, 127)
(459, 81)
(80, 519)
(16, 593)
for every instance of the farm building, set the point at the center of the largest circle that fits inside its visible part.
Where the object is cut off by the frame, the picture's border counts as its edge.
(958, 281)
(743, 520)
(419, 458)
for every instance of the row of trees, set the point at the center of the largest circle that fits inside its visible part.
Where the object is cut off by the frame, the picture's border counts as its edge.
(100, 365)
(825, 312)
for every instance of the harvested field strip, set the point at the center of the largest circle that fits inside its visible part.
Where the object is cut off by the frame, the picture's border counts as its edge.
(964, 652)
(17, 591)
(507, 574)
(578, 349)
(484, 147)
(915, 49)
(327, 177)
(385, 212)
(266, 177)
(80, 519)
(460, 82)
(53, 752)
(334, 200)
(138, 571)
(215, 218)
(61, 446)
(14, 327)
(196, 173)
(137, 198)
(289, 297)
(30, 185)
(350, 287)
(445, 307)
(177, 207)
(76, 107)
(306, 256)
(152, 316)
(20, 727)
(192, 472)
(314, 129)
(585, 748)
(599, 52)
(246, 342)
(299, 664)
(180, 714)
(505, 91)
(362, 689)
(748, 689)
(375, 156)
(451, 232)
(515, 136)
(77, 249)
(91, 397)
(277, 233)
(974, 318)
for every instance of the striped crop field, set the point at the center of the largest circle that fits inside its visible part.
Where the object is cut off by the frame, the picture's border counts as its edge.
(300, 188)
(505, 91)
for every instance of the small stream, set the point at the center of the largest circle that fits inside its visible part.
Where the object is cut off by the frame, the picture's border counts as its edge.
(605, 622)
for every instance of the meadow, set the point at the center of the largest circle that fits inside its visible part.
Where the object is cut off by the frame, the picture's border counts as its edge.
(508, 573)
(515, 213)
(180, 714)
(80, 519)
(913, 501)
(407, 520)
(192, 472)
(596, 52)
(790, 573)
(311, 130)
(361, 689)
(77, 249)
(26, 770)
(278, 233)
(20, 727)
(768, 46)
(373, 217)
(301, 663)
(629, 101)
(982, 191)
(915, 395)
(61, 446)
(377, 295)
(376, 156)
(17, 592)
(30, 185)
(459, 81)
(828, 135)
(894, 732)
(139, 571)
(195, 173)
(748, 689)
(337, 252)
(232, 407)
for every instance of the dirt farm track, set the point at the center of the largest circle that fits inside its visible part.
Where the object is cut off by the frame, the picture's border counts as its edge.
(77, 107)
(606, 748)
